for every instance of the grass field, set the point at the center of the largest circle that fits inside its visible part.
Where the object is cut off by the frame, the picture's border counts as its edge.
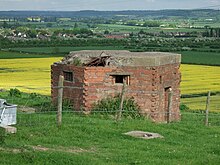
(204, 58)
(118, 28)
(16, 55)
(129, 29)
(188, 57)
(62, 50)
(199, 103)
(93, 140)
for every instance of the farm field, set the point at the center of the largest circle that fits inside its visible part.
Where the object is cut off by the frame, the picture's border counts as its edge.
(35, 73)
(188, 57)
(204, 58)
(32, 75)
(62, 50)
(16, 55)
(199, 103)
(198, 79)
(129, 29)
(118, 28)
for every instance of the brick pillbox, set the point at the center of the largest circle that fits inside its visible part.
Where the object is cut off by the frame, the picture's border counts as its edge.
(93, 75)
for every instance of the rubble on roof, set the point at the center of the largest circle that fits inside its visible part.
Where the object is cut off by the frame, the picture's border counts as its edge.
(102, 60)
(119, 58)
(98, 61)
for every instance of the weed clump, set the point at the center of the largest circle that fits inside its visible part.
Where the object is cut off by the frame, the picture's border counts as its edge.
(110, 106)
(15, 92)
(184, 107)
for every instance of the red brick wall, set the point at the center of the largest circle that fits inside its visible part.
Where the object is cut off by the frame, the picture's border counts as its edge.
(167, 76)
(73, 91)
(147, 86)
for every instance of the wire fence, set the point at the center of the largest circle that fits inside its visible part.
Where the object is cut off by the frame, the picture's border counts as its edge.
(38, 110)
(45, 119)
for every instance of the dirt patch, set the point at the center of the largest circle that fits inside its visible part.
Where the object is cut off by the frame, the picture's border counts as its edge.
(62, 149)
(12, 150)
(45, 149)
(26, 109)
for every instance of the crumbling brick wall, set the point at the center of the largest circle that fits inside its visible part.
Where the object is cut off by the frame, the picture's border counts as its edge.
(73, 90)
(147, 85)
(150, 76)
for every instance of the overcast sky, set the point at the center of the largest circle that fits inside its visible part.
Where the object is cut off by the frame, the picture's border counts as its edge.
(75, 5)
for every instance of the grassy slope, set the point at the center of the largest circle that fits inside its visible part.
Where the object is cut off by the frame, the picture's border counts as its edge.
(199, 103)
(185, 142)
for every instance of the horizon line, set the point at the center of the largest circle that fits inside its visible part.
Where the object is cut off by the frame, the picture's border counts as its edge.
(105, 10)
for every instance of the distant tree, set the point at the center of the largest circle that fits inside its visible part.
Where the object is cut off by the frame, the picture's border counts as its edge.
(5, 24)
(131, 23)
(76, 25)
(206, 26)
(218, 32)
(31, 33)
(48, 25)
(151, 24)
(106, 32)
(131, 34)
(211, 32)
(141, 32)
(43, 32)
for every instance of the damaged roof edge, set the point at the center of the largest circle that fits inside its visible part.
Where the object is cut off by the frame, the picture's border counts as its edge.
(120, 58)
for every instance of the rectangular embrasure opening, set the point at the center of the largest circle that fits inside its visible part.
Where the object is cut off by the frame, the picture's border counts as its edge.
(120, 79)
(68, 76)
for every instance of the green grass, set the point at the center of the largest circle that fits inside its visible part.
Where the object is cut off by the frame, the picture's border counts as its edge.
(34, 100)
(128, 29)
(118, 28)
(212, 24)
(204, 58)
(188, 57)
(61, 50)
(101, 141)
(199, 103)
(15, 55)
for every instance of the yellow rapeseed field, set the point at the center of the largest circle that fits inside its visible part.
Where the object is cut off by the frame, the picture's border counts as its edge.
(28, 75)
(33, 75)
(199, 79)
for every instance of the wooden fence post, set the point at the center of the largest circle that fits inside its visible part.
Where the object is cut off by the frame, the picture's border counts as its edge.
(170, 102)
(119, 113)
(207, 109)
(59, 101)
